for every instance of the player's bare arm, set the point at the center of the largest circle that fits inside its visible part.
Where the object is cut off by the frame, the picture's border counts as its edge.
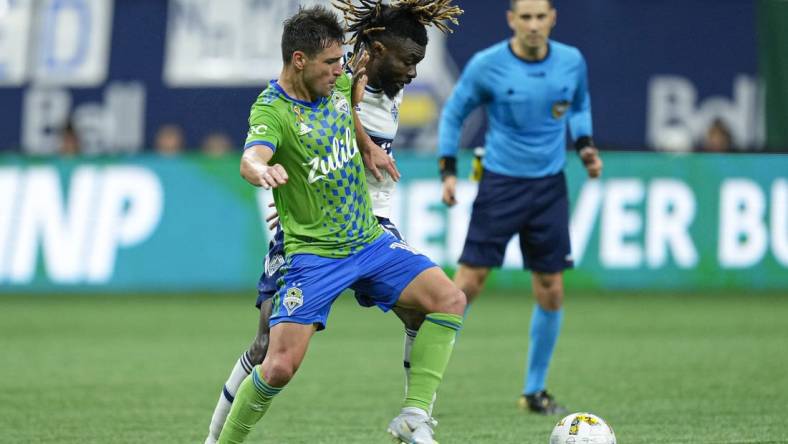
(374, 157)
(256, 171)
(358, 65)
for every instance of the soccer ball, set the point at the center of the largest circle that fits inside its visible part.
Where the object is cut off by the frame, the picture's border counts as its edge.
(582, 428)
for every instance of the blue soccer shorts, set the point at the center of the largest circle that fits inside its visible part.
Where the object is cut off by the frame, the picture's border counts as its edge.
(536, 209)
(272, 272)
(311, 283)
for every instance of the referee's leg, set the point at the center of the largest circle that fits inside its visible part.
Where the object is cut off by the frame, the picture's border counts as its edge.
(548, 289)
(470, 279)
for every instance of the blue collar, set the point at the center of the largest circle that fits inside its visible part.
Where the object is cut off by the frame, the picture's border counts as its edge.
(531, 62)
(279, 88)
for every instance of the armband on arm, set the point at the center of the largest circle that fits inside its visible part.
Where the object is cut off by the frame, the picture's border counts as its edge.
(447, 166)
(583, 142)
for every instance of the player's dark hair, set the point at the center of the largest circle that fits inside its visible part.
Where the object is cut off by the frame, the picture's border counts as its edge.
(372, 20)
(310, 30)
(514, 2)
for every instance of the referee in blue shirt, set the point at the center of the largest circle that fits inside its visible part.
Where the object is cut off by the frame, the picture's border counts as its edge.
(532, 88)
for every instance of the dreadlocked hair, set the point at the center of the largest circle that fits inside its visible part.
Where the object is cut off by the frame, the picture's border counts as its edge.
(371, 19)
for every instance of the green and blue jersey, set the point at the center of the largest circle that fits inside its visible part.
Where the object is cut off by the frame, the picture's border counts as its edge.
(324, 209)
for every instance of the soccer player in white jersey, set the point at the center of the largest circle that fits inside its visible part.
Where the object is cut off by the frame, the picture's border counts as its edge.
(394, 37)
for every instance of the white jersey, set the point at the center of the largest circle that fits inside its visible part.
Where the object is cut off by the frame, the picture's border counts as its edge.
(379, 116)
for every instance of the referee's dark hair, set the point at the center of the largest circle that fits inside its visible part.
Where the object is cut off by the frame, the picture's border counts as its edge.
(514, 2)
(371, 20)
(310, 30)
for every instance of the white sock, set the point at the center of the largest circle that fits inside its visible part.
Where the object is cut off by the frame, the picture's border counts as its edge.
(242, 369)
(410, 336)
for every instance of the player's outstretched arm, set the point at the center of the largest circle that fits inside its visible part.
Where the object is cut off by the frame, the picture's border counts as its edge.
(256, 171)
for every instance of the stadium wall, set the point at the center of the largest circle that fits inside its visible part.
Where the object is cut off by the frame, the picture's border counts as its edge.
(660, 72)
(192, 224)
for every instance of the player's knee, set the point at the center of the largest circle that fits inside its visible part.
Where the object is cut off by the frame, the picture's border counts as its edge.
(452, 301)
(460, 301)
(258, 349)
(549, 291)
(279, 371)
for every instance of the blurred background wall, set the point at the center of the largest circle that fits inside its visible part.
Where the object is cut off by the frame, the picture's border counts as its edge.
(661, 72)
(122, 121)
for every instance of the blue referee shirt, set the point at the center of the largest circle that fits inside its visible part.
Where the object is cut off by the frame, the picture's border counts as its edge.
(528, 107)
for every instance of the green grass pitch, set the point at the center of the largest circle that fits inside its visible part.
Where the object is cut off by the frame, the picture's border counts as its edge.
(661, 368)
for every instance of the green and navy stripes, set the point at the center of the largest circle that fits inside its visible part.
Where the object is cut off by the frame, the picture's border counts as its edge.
(447, 320)
(264, 390)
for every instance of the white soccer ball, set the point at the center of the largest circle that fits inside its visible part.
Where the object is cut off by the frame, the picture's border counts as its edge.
(582, 428)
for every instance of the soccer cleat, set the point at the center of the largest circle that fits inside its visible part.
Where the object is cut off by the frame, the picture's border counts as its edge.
(412, 426)
(542, 403)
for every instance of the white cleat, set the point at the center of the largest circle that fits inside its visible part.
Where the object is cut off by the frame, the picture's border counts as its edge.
(413, 426)
(210, 440)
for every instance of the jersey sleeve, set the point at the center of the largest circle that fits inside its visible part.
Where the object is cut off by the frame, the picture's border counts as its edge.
(580, 124)
(469, 93)
(265, 127)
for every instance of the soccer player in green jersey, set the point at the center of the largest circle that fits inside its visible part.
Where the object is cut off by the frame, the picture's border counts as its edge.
(395, 38)
(302, 145)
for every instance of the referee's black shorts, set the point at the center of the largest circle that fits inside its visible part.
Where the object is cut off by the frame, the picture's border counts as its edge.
(536, 209)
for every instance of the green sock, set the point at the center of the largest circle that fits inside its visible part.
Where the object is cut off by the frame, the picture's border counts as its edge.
(429, 357)
(250, 404)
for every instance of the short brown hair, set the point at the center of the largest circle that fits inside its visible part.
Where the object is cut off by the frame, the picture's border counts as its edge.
(310, 30)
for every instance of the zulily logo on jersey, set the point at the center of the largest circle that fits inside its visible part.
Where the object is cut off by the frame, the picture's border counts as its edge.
(342, 152)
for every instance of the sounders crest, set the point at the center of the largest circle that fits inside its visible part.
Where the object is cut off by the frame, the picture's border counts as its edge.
(294, 298)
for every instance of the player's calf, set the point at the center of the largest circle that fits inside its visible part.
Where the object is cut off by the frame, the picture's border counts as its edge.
(259, 346)
(258, 349)
(411, 319)
(243, 367)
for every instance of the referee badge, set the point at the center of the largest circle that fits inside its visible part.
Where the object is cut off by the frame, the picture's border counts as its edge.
(560, 108)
